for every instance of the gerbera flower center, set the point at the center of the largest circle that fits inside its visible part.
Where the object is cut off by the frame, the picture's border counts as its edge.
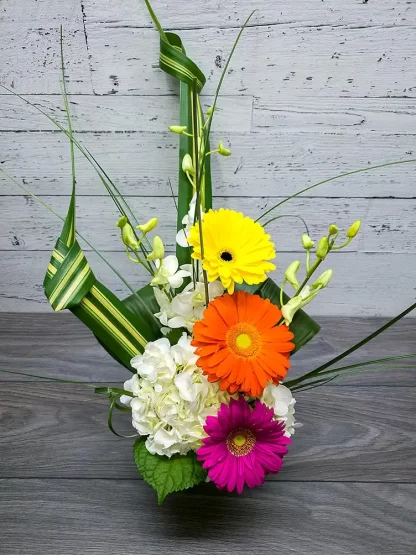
(240, 442)
(244, 340)
(226, 256)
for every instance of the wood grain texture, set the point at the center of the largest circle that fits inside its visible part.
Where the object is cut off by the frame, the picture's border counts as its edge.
(49, 517)
(262, 163)
(58, 345)
(202, 14)
(316, 89)
(321, 115)
(359, 434)
(151, 114)
(22, 277)
(29, 55)
(300, 61)
(26, 225)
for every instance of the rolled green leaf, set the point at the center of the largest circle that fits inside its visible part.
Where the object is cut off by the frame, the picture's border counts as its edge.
(70, 283)
(174, 61)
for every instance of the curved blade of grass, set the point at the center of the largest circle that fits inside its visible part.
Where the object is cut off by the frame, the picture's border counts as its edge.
(367, 363)
(97, 388)
(316, 383)
(317, 371)
(288, 216)
(341, 175)
(156, 21)
(52, 211)
(220, 82)
(102, 175)
(311, 385)
(114, 404)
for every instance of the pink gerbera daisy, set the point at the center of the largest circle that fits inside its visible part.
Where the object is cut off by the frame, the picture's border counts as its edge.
(243, 445)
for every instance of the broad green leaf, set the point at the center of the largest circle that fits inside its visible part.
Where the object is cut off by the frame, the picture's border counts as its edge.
(144, 304)
(303, 327)
(167, 475)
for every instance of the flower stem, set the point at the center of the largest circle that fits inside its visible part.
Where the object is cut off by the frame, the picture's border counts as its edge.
(309, 274)
(198, 210)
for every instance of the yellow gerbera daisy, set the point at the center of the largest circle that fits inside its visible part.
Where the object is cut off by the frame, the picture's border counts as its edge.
(236, 248)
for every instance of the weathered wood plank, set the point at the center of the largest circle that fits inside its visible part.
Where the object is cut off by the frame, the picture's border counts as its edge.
(30, 53)
(26, 225)
(118, 517)
(362, 434)
(263, 163)
(210, 14)
(388, 225)
(34, 65)
(270, 61)
(335, 115)
(58, 345)
(131, 113)
(379, 284)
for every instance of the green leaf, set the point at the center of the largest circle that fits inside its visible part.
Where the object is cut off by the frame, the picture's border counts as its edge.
(141, 305)
(174, 61)
(167, 475)
(144, 304)
(303, 327)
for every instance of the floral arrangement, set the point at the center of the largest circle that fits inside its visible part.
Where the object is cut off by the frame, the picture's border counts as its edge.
(210, 339)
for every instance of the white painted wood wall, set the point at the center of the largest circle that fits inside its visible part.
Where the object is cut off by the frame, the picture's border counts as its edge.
(316, 88)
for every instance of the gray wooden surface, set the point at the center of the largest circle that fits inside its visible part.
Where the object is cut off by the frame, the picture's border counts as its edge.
(316, 88)
(68, 487)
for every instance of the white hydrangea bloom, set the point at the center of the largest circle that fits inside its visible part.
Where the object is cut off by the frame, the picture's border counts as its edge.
(172, 398)
(280, 398)
(168, 272)
(187, 307)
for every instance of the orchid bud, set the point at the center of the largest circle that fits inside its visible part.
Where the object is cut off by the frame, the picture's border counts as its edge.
(307, 242)
(127, 234)
(210, 110)
(128, 237)
(121, 222)
(222, 150)
(158, 251)
(333, 229)
(290, 308)
(290, 273)
(323, 280)
(322, 248)
(179, 129)
(148, 226)
(187, 164)
(354, 229)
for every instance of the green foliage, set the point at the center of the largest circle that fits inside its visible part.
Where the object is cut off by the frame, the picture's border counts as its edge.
(173, 60)
(144, 304)
(303, 327)
(167, 475)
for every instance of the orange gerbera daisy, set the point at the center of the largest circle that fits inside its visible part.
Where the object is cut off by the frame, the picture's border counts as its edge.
(240, 345)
